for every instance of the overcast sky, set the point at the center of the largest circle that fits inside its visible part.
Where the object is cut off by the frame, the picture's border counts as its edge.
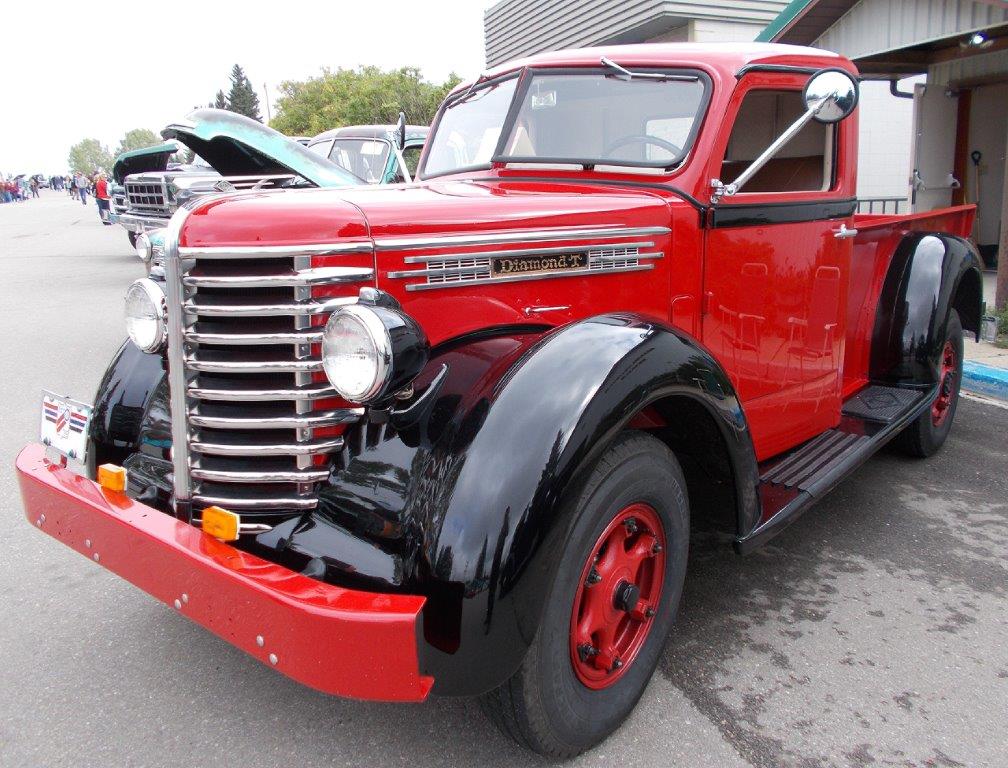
(95, 70)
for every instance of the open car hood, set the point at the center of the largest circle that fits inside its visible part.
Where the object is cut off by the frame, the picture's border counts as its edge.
(143, 160)
(235, 145)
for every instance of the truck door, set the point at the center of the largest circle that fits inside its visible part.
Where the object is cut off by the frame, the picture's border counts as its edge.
(775, 272)
(932, 181)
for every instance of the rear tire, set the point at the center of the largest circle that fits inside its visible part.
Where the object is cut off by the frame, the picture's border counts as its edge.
(564, 699)
(927, 434)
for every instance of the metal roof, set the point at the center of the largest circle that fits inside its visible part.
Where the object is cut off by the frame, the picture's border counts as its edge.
(803, 21)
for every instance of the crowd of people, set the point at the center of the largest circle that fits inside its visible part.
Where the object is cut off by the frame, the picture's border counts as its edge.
(77, 185)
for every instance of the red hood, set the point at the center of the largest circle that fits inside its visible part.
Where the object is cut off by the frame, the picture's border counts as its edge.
(409, 225)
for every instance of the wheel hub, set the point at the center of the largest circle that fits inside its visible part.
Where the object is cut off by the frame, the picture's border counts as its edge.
(617, 596)
(947, 372)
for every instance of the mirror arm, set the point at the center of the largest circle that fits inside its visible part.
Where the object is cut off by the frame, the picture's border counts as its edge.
(776, 146)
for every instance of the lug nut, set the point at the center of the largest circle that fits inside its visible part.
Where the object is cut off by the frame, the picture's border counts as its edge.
(656, 549)
(649, 612)
(593, 577)
(586, 651)
(631, 525)
(617, 663)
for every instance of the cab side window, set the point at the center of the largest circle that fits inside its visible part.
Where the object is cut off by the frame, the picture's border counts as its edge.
(805, 164)
(412, 157)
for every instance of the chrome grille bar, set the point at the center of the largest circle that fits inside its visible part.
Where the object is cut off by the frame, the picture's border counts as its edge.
(320, 276)
(270, 310)
(294, 337)
(258, 394)
(194, 363)
(268, 449)
(238, 476)
(273, 251)
(311, 419)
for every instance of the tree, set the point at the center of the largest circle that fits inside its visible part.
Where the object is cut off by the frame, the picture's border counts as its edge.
(220, 101)
(242, 98)
(88, 156)
(357, 96)
(138, 138)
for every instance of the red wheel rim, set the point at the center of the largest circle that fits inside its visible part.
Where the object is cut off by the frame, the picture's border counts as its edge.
(946, 385)
(617, 596)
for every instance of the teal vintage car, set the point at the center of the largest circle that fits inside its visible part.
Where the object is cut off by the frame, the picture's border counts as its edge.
(233, 153)
(378, 154)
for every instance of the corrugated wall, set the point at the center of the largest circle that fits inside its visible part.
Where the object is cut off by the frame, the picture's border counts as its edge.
(516, 28)
(875, 26)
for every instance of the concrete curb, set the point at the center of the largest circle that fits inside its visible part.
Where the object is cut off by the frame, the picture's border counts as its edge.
(985, 380)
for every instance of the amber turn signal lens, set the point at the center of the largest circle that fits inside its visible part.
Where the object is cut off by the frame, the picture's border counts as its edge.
(112, 477)
(221, 523)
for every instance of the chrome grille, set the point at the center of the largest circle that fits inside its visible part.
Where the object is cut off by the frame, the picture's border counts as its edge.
(259, 422)
(147, 197)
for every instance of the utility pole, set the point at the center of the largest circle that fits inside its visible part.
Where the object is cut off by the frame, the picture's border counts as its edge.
(266, 91)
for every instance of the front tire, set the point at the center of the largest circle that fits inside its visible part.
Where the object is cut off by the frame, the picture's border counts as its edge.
(610, 608)
(132, 237)
(927, 434)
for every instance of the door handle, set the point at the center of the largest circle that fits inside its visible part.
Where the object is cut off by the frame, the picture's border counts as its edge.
(843, 233)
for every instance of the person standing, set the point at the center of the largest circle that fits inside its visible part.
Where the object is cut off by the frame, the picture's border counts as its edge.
(82, 187)
(102, 198)
(34, 187)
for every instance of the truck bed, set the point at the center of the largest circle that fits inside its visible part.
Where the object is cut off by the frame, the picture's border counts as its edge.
(874, 245)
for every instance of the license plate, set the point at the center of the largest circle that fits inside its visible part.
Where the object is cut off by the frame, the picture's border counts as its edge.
(64, 425)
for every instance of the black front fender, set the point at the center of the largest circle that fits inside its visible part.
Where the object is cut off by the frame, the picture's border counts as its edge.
(488, 502)
(921, 286)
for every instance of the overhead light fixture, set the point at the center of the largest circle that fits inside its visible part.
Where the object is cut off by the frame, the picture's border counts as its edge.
(976, 40)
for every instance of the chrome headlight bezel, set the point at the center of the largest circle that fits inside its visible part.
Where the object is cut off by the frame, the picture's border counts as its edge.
(399, 351)
(144, 248)
(155, 295)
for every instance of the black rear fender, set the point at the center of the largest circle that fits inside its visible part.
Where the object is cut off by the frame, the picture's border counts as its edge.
(929, 275)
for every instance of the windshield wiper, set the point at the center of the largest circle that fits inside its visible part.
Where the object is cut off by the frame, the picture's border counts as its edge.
(625, 74)
(471, 88)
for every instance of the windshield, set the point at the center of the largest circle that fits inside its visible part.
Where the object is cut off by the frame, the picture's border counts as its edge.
(589, 118)
(364, 158)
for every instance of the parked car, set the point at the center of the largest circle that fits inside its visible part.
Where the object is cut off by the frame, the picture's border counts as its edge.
(378, 154)
(451, 437)
(235, 153)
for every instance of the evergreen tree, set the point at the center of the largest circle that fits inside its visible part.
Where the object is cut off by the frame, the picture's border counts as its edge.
(242, 98)
(220, 101)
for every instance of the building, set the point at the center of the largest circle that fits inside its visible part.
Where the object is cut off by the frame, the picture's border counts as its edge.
(516, 28)
(958, 49)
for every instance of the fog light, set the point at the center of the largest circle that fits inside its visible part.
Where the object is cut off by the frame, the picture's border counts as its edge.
(221, 523)
(112, 477)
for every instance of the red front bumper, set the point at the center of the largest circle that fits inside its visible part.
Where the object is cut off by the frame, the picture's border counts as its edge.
(340, 641)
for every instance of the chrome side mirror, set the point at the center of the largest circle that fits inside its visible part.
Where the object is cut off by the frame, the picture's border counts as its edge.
(401, 130)
(831, 95)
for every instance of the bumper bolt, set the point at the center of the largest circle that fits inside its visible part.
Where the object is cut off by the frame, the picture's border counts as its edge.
(178, 604)
(273, 658)
(87, 543)
(95, 557)
(259, 641)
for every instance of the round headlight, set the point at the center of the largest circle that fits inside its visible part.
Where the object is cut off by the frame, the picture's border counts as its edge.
(146, 315)
(144, 248)
(357, 353)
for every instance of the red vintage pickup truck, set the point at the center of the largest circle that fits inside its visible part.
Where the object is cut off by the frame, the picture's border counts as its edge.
(452, 436)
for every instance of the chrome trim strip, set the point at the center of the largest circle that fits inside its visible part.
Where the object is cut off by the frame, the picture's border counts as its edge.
(273, 251)
(529, 235)
(526, 252)
(306, 337)
(270, 449)
(308, 277)
(252, 366)
(311, 419)
(177, 384)
(286, 502)
(270, 310)
(243, 476)
(243, 395)
(532, 276)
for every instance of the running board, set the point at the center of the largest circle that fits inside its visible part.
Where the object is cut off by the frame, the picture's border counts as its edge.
(792, 482)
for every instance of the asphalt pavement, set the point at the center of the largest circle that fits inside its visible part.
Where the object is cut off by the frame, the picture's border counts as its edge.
(874, 631)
